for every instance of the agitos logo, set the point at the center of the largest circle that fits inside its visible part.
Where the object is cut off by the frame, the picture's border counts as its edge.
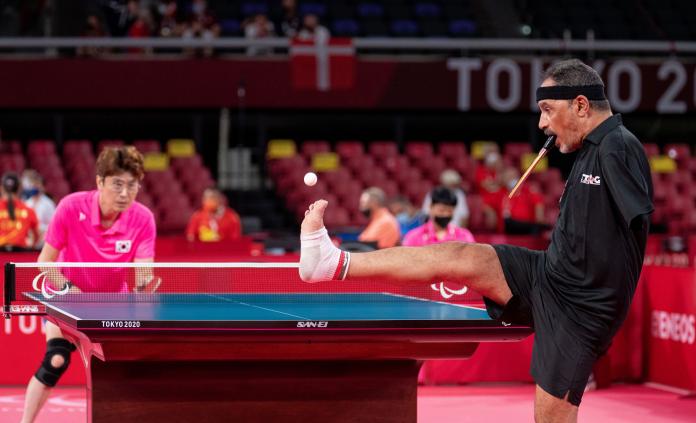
(446, 292)
(41, 284)
(677, 327)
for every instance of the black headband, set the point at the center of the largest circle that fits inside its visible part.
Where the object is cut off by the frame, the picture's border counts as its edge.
(564, 92)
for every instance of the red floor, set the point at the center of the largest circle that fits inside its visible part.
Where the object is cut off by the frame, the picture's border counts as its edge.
(490, 404)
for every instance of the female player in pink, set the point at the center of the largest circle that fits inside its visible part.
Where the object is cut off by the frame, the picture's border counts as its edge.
(104, 225)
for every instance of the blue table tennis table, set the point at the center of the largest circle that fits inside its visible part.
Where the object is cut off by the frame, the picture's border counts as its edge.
(264, 357)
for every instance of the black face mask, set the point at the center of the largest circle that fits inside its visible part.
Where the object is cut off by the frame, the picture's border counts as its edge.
(442, 221)
(366, 212)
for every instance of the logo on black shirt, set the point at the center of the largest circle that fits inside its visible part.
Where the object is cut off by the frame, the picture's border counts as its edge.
(589, 179)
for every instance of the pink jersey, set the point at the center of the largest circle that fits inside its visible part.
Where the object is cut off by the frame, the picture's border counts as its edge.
(77, 233)
(425, 235)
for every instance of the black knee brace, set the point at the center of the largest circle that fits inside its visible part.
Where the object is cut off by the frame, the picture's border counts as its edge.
(47, 374)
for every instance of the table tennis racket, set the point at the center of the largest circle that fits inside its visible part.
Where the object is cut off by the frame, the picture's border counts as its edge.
(150, 287)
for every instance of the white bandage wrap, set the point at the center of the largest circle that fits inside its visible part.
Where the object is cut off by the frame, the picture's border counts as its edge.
(320, 259)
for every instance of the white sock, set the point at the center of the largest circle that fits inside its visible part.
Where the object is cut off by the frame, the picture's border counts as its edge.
(320, 259)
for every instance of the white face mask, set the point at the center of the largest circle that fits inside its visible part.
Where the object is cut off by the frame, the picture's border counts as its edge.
(491, 158)
(27, 184)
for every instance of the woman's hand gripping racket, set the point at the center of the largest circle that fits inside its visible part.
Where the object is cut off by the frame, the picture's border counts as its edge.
(149, 286)
(548, 145)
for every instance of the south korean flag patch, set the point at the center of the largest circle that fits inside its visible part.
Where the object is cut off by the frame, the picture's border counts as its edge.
(123, 246)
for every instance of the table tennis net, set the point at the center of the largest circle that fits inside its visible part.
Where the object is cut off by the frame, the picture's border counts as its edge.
(31, 284)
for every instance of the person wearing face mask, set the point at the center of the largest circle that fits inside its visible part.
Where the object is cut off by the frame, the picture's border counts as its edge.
(214, 221)
(439, 227)
(408, 216)
(523, 214)
(383, 227)
(34, 197)
(450, 178)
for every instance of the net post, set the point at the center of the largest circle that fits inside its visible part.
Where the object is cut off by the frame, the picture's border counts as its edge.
(10, 294)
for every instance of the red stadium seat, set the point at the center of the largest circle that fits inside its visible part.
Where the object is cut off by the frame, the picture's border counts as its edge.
(347, 149)
(49, 173)
(57, 188)
(651, 149)
(390, 188)
(10, 146)
(13, 162)
(512, 151)
(372, 176)
(452, 150)
(433, 168)
(476, 217)
(336, 177)
(82, 184)
(172, 201)
(279, 167)
(109, 143)
(147, 146)
(77, 148)
(380, 150)
(44, 160)
(349, 194)
(173, 220)
(309, 148)
(357, 218)
(678, 152)
(396, 165)
(417, 191)
(410, 177)
(337, 217)
(41, 147)
(180, 164)
(419, 150)
(146, 200)
(359, 164)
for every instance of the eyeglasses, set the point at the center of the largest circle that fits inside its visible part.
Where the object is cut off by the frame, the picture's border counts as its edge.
(118, 186)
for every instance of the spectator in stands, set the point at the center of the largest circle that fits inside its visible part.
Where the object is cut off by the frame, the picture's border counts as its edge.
(18, 223)
(202, 24)
(287, 20)
(408, 216)
(313, 30)
(440, 226)
(214, 221)
(142, 27)
(449, 178)
(169, 25)
(122, 17)
(256, 28)
(488, 184)
(522, 214)
(35, 198)
(94, 28)
(383, 227)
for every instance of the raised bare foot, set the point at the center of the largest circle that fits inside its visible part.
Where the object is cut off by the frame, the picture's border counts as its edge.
(320, 259)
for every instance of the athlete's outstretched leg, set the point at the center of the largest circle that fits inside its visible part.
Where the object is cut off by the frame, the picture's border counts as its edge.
(475, 265)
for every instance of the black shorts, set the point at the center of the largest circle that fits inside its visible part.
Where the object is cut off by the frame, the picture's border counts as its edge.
(562, 359)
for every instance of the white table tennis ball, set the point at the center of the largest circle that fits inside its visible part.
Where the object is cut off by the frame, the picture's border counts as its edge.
(310, 179)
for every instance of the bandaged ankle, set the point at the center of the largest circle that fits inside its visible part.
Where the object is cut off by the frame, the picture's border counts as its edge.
(320, 259)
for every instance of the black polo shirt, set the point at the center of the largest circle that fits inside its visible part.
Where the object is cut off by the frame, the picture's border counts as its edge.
(597, 246)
